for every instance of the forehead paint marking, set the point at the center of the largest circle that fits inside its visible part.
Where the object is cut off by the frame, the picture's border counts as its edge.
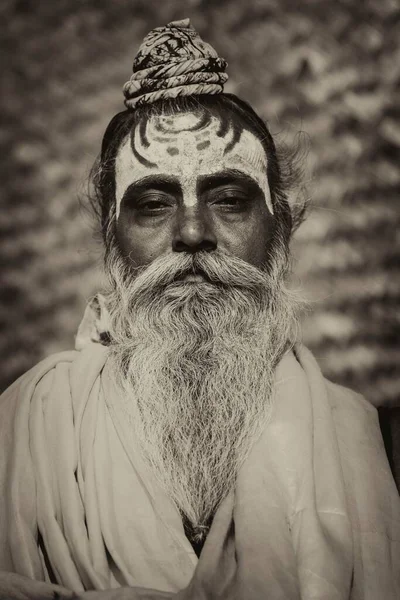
(223, 127)
(163, 140)
(168, 125)
(237, 132)
(134, 141)
(143, 134)
(203, 145)
(190, 146)
(173, 151)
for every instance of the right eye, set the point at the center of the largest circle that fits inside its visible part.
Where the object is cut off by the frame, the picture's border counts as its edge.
(153, 204)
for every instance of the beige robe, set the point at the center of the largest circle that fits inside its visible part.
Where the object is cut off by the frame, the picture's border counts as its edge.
(315, 513)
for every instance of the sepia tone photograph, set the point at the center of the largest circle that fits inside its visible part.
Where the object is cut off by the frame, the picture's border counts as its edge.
(200, 279)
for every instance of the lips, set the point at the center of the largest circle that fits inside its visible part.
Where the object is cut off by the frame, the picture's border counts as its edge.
(194, 278)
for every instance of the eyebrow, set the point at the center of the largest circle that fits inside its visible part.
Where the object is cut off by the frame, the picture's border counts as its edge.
(226, 177)
(171, 185)
(158, 182)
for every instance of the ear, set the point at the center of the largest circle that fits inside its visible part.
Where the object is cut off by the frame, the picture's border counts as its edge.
(94, 326)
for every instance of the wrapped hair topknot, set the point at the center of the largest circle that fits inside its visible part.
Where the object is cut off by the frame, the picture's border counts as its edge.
(174, 61)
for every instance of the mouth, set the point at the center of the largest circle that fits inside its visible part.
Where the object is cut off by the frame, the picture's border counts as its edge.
(193, 281)
(194, 278)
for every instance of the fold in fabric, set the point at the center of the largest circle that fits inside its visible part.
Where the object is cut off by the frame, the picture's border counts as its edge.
(314, 514)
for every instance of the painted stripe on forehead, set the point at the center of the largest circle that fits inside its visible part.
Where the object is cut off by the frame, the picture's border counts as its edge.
(173, 151)
(168, 125)
(223, 127)
(143, 134)
(223, 143)
(226, 126)
(236, 135)
(170, 140)
(135, 135)
(203, 145)
(162, 140)
(229, 125)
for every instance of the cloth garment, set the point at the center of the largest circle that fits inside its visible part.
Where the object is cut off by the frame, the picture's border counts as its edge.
(315, 513)
(174, 61)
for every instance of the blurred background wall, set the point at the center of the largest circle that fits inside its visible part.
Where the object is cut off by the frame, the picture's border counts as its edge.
(330, 68)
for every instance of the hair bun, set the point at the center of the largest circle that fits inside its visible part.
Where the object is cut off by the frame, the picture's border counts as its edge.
(174, 61)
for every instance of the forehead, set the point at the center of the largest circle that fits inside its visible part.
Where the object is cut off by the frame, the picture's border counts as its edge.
(187, 146)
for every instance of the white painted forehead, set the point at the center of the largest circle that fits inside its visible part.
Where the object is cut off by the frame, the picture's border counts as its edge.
(187, 145)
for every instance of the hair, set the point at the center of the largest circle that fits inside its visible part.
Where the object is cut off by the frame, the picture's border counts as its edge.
(283, 168)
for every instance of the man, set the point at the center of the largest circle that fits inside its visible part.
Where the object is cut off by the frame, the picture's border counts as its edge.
(189, 448)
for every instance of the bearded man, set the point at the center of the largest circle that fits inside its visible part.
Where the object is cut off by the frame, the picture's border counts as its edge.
(189, 448)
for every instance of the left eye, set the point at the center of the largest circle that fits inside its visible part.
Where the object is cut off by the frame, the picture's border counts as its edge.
(153, 204)
(229, 200)
(233, 202)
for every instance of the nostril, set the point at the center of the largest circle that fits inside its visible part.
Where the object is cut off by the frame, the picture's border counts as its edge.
(180, 246)
(203, 245)
(208, 245)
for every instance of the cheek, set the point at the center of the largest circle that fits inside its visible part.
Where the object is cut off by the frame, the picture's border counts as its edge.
(138, 245)
(252, 240)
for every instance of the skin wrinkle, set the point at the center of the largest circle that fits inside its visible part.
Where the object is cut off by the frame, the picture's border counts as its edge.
(136, 160)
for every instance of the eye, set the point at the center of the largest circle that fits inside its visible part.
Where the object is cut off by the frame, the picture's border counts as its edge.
(153, 204)
(230, 200)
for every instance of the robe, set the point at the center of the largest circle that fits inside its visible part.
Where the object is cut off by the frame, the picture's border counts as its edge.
(314, 513)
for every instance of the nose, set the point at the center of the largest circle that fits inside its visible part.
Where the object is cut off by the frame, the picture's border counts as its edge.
(193, 232)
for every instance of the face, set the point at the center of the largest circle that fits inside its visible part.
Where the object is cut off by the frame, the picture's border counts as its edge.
(192, 182)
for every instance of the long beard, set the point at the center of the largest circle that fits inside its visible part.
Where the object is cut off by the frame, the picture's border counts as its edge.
(196, 363)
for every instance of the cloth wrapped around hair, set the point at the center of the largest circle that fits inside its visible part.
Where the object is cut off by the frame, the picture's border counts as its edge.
(174, 61)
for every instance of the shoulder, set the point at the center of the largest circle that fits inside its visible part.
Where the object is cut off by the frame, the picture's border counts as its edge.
(352, 414)
(79, 365)
(38, 376)
(63, 368)
(356, 422)
(355, 418)
(344, 399)
(339, 397)
(357, 429)
(61, 383)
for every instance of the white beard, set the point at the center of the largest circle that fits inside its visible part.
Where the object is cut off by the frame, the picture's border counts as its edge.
(196, 365)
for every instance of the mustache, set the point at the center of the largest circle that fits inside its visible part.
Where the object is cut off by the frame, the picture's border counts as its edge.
(215, 267)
